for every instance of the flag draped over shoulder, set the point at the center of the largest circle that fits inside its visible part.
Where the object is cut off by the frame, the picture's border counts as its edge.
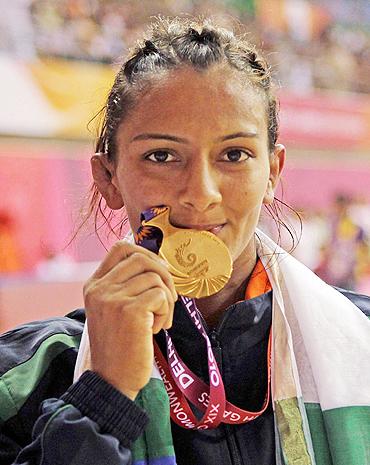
(320, 373)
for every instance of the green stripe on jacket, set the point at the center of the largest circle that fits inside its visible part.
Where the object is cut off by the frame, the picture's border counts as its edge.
(18, 383)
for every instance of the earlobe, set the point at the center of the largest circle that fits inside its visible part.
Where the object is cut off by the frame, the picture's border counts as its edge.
(269, 194)
(276, 166)
(103, 181)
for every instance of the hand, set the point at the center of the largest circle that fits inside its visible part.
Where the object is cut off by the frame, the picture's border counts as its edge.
(129, 298)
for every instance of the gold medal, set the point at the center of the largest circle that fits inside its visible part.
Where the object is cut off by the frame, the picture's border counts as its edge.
(199, 261)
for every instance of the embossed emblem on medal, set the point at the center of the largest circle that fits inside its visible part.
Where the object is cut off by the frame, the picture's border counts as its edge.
(199, 261)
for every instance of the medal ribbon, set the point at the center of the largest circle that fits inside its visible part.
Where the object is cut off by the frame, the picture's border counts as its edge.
(179, 381)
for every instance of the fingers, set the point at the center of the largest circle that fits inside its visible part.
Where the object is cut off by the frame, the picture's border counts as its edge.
(156, 305)
(135, 266)
(141, 284)
(130, 296)
(120, 251)
(137, 282)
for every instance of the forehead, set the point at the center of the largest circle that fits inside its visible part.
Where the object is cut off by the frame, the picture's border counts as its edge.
(191, 101)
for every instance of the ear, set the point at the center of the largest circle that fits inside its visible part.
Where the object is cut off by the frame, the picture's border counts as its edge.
(103, 174)
(277, 160)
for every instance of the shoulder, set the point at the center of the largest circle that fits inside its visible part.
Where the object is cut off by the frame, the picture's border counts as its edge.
(361, 301)
(37, 360)
(22, 343)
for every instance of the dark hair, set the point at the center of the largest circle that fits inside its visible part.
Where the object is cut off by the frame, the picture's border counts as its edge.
(172, 43)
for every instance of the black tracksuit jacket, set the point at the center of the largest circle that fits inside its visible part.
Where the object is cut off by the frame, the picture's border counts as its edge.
(47, 420)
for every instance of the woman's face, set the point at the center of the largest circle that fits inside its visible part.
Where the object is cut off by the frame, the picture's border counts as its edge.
(198, 143)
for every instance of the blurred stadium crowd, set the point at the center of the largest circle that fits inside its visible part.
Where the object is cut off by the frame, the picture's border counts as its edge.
(316, 44)
(312, 45)
(333, 242)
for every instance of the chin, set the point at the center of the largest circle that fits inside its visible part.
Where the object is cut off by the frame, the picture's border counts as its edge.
(238, 250)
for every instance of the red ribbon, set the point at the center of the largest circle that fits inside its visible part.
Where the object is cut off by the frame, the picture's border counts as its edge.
(182, 385)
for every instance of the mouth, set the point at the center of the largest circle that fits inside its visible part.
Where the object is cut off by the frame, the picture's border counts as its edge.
(212, 228)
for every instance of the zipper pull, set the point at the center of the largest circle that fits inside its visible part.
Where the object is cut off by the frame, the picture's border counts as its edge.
(216, 348)
(213, 336)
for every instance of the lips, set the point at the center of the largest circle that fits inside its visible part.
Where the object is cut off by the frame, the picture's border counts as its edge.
(213, 228)
(216, 229)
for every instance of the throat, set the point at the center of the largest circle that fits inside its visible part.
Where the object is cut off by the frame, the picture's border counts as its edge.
(214, 307)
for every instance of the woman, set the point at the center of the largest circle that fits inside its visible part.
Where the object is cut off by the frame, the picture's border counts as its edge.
(191, 125)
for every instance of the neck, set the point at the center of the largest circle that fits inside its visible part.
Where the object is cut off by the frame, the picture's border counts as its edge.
(214, 306)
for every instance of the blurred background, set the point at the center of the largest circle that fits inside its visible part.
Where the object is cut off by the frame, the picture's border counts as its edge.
(57, 63)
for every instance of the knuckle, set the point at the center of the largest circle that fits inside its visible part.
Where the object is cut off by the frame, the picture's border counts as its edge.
(154, 278)
(129, 303)
(94, 293)
(160, 294)
(88, 288)
(121, 247)
(168, 324)
(136, 257)
(141, 261)
(90, 299)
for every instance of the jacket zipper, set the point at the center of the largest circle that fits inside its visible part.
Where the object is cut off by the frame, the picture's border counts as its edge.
(217, 350)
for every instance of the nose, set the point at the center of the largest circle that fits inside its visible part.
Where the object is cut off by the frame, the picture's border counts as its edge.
(201, 187)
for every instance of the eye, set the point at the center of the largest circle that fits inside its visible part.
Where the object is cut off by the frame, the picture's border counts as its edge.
(160, 156)
(236, 155)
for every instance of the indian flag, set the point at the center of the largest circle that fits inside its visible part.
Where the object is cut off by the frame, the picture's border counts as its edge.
(321, 367)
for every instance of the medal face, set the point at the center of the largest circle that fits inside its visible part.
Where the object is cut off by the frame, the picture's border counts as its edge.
(199, 261)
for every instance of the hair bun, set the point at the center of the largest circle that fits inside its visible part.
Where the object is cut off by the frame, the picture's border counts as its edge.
(149, 48)
(204, 38)
(256, 63)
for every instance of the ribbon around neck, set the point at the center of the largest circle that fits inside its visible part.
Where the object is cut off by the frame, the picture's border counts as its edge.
(181, 384)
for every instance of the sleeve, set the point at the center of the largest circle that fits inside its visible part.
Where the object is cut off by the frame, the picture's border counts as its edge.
(92, 423)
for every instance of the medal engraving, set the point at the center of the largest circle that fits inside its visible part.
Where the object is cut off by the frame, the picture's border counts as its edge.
(179, 255)
(199, 261)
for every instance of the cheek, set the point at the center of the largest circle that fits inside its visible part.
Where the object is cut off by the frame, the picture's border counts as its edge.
(140, 193)
(251, 192)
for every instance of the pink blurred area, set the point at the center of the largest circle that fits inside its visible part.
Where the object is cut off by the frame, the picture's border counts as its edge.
(43, 195)
(315, 183)
(29, 300)
(44, 184)
(54, 76)
(43, 187)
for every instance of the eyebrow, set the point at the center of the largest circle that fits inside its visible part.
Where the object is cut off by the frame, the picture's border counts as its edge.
(181, 140)
(237, 135)
(146, 136)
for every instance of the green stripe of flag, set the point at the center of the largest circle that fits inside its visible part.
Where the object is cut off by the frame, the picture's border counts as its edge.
(340, 436)
(17, 384)
(318, 434)
(156, 441)
(348, 430)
